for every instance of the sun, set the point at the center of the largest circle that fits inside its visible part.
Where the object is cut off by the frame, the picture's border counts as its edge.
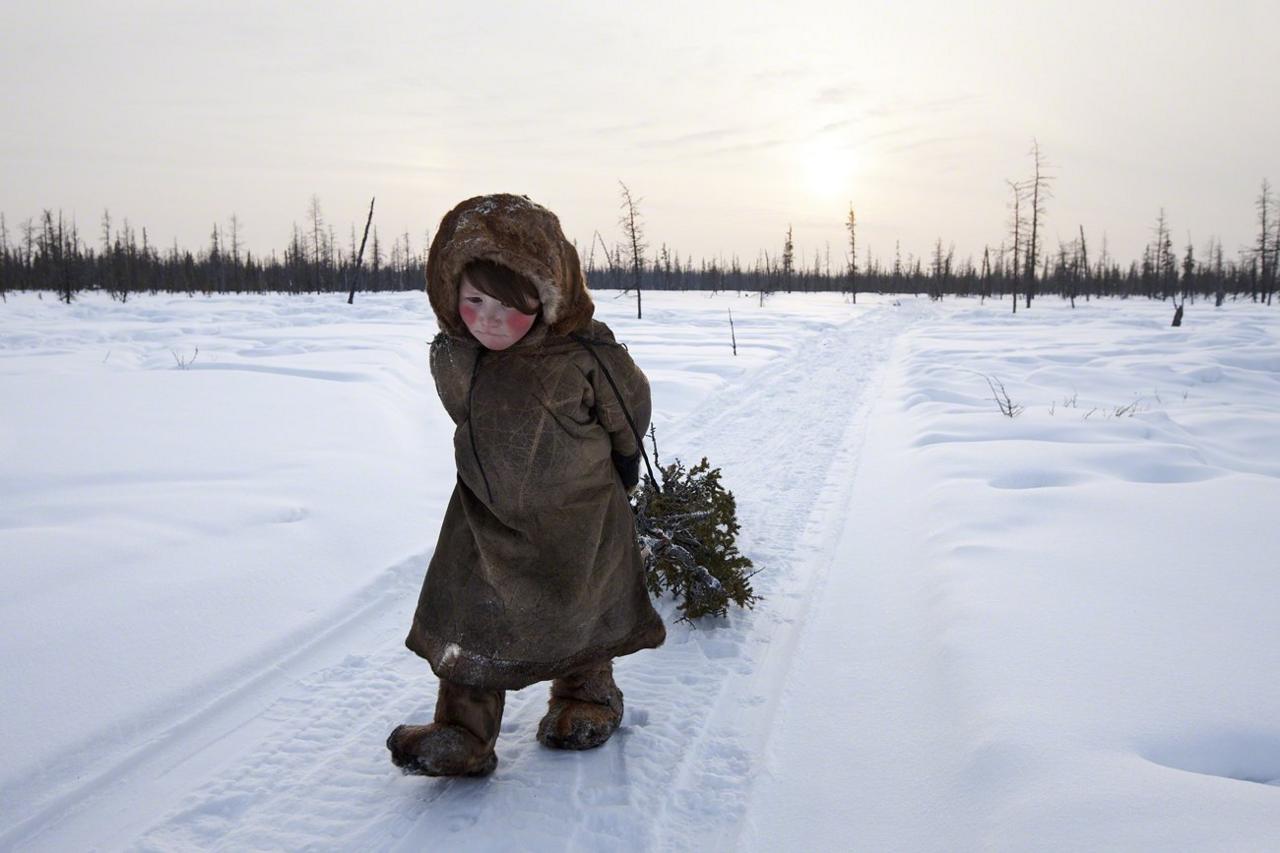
(825, 169)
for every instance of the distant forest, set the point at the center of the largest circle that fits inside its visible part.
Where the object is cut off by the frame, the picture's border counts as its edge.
(51, 254)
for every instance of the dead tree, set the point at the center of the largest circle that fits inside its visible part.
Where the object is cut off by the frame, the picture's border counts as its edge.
(4, 257)
(1219, 269)
(986, 275)
(788, 260)
(851, 225)
(1016, 224)
(1082, 268)
(632, 230)
(1266, 249)
(1166, 265)
(355, 278)
(1038, 187)
(1275, 256)
(317, 239)
(235, 250)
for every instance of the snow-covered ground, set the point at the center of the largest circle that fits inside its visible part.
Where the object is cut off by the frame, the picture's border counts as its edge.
(1057, 631)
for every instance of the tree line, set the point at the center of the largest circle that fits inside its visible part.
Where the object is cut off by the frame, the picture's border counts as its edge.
(1021, 267)
(51, 254)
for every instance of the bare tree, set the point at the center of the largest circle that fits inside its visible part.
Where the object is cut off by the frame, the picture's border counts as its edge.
(1081, 271)
(937, 269)
(235, 239)
(788, 260)
(986, 275)
(4, 257)
(633, 231)
(1215, 257)
(1266, 249)
(235, 250)
(408, 260)
(1016, 226)
(1275, 258)
(359, 258)
(1160, 261)
(1189, 269)
(1038, 187)
(317, 238)
(851, 225)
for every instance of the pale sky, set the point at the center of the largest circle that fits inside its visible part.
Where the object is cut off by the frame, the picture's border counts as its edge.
(730, 120)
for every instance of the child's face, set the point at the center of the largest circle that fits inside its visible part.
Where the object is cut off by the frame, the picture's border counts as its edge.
(494, 324)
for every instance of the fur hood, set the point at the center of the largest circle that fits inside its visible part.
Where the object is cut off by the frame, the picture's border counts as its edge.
(524, 237)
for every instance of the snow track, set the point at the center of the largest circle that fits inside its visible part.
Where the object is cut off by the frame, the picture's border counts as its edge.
(291, 755)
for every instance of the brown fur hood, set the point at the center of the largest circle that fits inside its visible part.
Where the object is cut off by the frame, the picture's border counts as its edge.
(524, 237)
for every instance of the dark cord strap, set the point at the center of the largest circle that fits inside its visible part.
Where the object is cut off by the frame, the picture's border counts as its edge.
(587, 344)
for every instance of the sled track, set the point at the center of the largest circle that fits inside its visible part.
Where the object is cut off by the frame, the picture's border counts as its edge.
(299, 763)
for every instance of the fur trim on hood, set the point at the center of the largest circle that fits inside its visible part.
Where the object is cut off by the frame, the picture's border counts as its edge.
(524, 237)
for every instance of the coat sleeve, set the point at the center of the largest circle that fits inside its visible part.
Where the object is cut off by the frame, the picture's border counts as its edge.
(633, 385)
(451, 369)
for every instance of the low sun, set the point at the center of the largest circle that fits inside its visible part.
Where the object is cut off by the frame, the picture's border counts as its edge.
(825, 169)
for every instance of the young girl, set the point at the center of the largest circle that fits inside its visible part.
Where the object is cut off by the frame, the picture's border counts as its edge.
(536, 575)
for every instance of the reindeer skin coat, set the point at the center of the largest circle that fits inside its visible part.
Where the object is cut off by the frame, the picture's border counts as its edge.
(537, 571)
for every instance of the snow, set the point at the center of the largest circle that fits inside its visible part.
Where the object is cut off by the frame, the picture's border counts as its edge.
(1057, 631)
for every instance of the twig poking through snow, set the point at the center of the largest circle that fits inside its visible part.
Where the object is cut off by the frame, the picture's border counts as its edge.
(1129, 409)
(1007, 406)
(184, 363)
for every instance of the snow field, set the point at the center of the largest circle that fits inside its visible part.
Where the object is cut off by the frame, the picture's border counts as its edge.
(1056, 631)
(204, 749)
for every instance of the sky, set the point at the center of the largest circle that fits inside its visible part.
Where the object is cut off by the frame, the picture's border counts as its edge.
(730, 121)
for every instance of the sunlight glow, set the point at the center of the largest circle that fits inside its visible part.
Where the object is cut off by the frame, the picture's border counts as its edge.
(825, 169)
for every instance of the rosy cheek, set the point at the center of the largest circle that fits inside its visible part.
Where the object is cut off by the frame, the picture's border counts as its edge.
(468, 313)
(518, 323)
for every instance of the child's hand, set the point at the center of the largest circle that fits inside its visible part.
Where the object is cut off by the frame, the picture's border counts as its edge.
(628, 468)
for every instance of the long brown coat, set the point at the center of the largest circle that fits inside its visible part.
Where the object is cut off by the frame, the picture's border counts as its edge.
(537, 570)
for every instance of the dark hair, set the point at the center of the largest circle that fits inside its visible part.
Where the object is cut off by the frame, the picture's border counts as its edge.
(503, 284)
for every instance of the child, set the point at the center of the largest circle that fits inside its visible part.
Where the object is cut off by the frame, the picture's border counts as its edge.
(536, 575)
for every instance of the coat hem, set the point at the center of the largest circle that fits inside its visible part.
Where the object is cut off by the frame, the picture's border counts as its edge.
(451, 662)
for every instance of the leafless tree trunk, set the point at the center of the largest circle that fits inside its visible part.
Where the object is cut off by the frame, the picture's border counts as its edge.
(1017, 189)
(1082, 267)
(317, 239)
(851, 224)
(1039, 189)
(235, 250)
(1266, 249)
(634, 233)
(355, 278)
(986, 275)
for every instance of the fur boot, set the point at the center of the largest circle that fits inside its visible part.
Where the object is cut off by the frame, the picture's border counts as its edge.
(584, 710)
(460, 741)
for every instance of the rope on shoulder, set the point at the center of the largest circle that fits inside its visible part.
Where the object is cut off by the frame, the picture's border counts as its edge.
(589, 345)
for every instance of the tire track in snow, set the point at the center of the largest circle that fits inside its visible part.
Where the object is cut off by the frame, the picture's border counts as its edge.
(798, 480)
(231, 717)
(310, 770)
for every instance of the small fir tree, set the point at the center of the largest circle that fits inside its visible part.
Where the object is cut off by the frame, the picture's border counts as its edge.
(687, 533)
